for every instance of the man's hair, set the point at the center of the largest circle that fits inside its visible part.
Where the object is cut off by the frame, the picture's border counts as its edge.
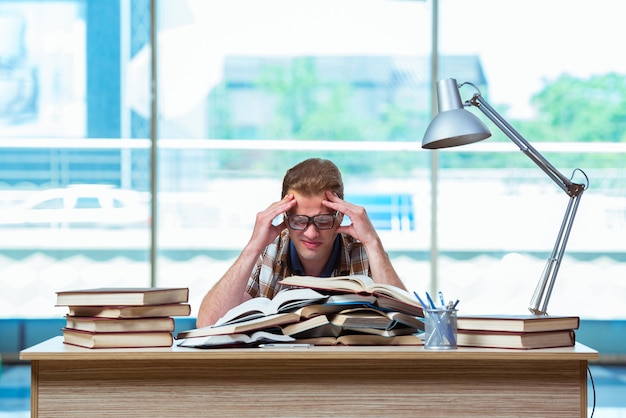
(313, 176)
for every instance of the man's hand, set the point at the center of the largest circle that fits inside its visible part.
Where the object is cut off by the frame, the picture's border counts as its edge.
(264, 231)
(230, 290)
(362, 229)
(361, 226)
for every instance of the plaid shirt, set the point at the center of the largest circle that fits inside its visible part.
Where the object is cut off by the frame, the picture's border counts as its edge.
(273, 264)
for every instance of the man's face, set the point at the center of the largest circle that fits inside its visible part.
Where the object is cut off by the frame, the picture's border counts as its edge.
(314, 246)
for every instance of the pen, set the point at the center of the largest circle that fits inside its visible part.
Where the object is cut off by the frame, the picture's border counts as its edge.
(285, 345)
(430, 300)
(420, 300)
(443, 302)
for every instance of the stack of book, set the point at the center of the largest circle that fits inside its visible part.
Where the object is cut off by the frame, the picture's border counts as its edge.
(122, 317)
(347, 310)
(517, 331)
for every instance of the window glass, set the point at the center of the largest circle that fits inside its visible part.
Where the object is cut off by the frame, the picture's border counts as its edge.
(63, 114)
(87, 203)
(56, 203)
(499, 214)
(247, 89)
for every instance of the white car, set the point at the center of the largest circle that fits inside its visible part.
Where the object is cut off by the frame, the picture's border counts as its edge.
(80, 206)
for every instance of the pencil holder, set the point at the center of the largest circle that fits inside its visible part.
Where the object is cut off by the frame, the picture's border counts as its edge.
(440, 326)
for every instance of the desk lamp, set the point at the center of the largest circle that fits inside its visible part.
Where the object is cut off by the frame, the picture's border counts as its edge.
(455, 126)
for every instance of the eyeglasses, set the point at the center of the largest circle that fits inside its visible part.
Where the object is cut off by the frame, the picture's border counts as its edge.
(302, 222)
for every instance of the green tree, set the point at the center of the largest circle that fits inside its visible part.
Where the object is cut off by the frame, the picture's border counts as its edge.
(308, 108)
(579, 110)
(303, 106)
(569, 109)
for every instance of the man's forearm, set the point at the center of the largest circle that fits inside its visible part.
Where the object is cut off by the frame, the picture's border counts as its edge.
(380, 265)
(229, 291)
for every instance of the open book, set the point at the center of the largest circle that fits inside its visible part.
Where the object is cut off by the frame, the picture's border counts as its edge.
(294, 305)
(284, 301)
(335, 304)
(358, 321)
(375, 318)
(388, 296)
(235, 340)
(255, 324)
(317, 326)
(392, 332)
(363, 339)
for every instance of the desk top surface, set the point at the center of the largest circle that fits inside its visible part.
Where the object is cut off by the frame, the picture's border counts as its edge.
(55, 349)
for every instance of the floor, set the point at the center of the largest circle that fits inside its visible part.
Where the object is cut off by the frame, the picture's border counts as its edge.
(609, 383)
(610, 388)
(15, 391)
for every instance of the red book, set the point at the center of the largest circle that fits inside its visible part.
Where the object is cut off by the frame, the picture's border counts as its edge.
(519, 340)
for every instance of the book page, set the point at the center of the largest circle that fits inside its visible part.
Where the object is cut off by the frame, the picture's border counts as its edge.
(250, 309)
(285, 300)
(240, 339)
(355, 283)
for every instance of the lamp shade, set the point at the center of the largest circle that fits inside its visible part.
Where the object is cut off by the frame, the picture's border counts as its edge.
(453, 125)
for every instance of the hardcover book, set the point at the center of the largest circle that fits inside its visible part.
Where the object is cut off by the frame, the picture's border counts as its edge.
(317, 326)
(363, 339)
(117, 339)
(335, 304)
(146, 311)
(234, 340)
(392, 297)
(285, 301)
(122, 296)
(518, 323)
(322, 326)
(95, 324)
(375, 318)
(256, 324)
(519, 340)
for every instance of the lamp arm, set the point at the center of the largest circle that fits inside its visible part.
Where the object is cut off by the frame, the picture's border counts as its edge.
(541, 296)
(563, 182)
(543, 290)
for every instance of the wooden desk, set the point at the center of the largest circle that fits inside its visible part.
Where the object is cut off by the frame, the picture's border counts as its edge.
(318, 381)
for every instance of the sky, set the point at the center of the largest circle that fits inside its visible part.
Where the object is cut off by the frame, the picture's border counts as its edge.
(520, 43)
(523, 43)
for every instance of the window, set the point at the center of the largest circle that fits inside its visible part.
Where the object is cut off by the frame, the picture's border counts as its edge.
(247, 88)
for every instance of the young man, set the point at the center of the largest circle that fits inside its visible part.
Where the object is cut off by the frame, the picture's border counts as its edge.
(309, 241)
